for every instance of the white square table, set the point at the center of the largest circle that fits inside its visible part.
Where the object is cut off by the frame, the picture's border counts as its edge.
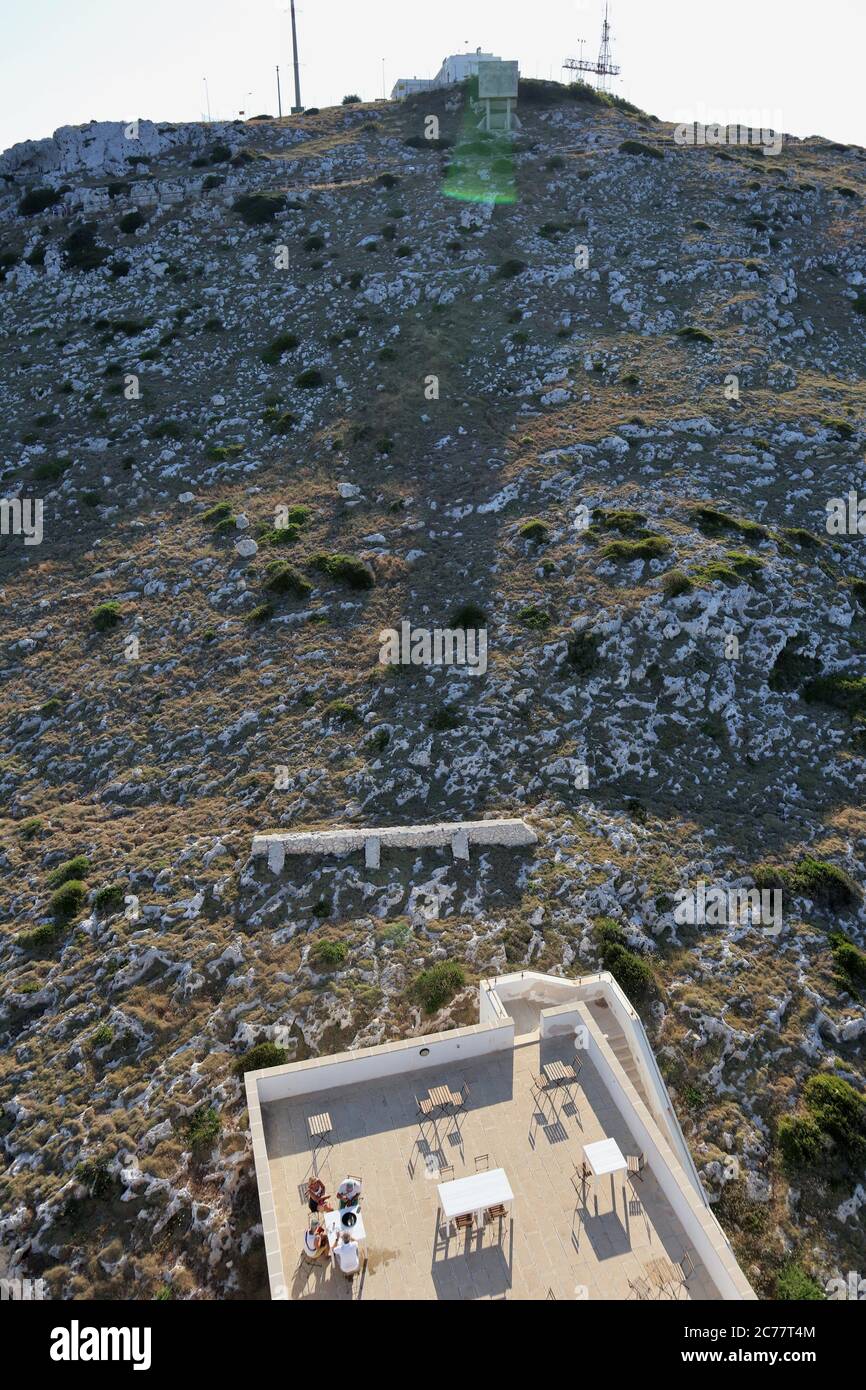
(473, 1195)
(604, 1156)
(335, 1228)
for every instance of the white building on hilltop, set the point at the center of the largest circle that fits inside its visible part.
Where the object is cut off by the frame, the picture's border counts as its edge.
(454, 69)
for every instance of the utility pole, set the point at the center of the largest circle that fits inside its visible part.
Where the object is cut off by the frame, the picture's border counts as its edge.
(279, 97)
(207, 98)
(383, 79)
(297, 106)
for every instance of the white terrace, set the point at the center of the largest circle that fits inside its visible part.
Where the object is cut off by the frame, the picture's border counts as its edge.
(564, 1236)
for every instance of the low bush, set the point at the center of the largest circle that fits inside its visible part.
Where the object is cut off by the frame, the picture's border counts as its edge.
(77, 867)
(468, 616)
(647, 548)
(109, 898)
(840, 692)
(68, 899)
(106, 615)
(536, 619)
(203, 1127)
(283, 343)
(328, 955)
(638, 147)
(285, 579)
(794, 1285)
(258, 208)
(348, 569)
(435, 987)
(675, 583)
(264, 1054)
(534, 530)
(39, 200)
(81, 250)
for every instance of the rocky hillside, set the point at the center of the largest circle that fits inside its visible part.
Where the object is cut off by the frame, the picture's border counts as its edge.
(281, 385)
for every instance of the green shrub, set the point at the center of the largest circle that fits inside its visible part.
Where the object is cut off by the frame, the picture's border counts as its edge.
(638, 147)
(620, 519)
(469, 616)
(40, 937)
(261, 613)
(109, 898)
(258, 208)
(535, 618)
(328, 955)
(342, 710)
(676, 582)
(38, 200)
(694, 335)
(76, 867)
(264, 1054)
(508, 269)
(103, 1037)
(849, 960)
(285, 579)
(309, 379)
(647, 548)
(50, 470)
(203, 1127)
(444, 719)
(582, 651)
(222, 511)
(346, 568)
(794, 1285)
(378, 741)
(711, 521)
(280, 421)
(106, 615)
(534, 531)
(131, 221)
(68, 899)
(31, 827)
(840, 692)
(799, 1140)
(791, 668)
(825, 884)
(81, 251)
(95, 1176)
(839, 1111)
(437, 986)
(630, 971)
(283, 343)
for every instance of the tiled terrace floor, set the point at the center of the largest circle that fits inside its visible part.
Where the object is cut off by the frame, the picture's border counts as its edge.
(577, 1244)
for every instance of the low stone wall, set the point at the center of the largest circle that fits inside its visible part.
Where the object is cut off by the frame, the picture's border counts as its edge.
(459, 835)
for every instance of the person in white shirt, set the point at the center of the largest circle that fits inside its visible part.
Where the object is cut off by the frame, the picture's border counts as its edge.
(347, 1255)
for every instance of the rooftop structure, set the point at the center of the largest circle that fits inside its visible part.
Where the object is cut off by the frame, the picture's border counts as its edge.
(454, 69)
(559, 1214)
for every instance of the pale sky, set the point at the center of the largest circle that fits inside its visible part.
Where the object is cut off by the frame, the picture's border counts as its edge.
(800, 63)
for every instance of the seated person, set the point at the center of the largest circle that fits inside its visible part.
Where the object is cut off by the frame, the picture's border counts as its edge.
(319, 1199)
(349, 1192)
(316, 1242)
(347, 1254)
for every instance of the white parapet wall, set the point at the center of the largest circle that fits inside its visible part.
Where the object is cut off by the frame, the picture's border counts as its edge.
(707, 1238)
(552, 995)
(459, 835)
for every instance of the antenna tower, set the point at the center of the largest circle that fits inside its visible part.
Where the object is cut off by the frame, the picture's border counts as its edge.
(603, 68)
